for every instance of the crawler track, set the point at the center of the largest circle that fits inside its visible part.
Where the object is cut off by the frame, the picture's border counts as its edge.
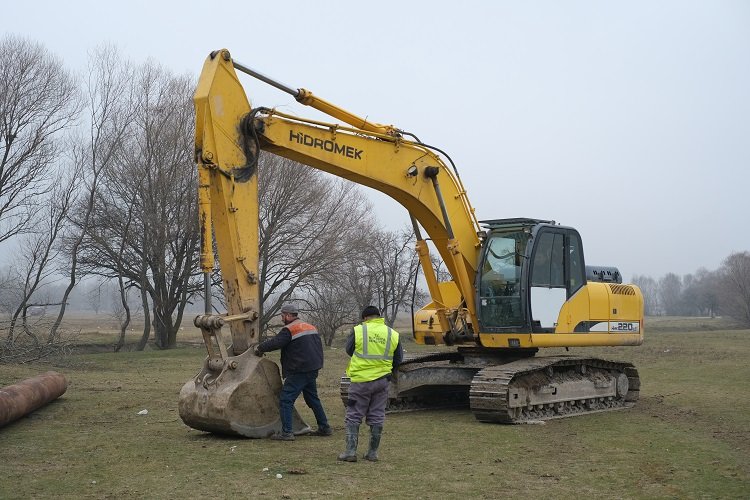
(552, 387)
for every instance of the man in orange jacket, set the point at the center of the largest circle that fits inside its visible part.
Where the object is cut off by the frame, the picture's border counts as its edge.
(301, 359)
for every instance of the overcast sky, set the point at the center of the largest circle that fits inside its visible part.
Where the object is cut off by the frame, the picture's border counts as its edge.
(627, 120)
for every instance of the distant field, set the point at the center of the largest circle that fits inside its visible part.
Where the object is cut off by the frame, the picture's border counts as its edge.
(688, 436)
(688, 324)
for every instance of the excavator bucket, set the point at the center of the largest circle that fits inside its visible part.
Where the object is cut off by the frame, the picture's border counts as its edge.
(238, 395)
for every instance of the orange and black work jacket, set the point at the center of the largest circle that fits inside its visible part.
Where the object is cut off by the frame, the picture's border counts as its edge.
(301, 348)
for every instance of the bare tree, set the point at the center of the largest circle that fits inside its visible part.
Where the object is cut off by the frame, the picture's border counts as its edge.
(391, 266)
(310, 226)
(145, 226)
(670, 294)
(650, 290)
(34, 264)
(734, 287)
(109, 117)
(381, 273)
(441, 270)
(699, 293)
(94, 296)
(38, 100)
(8, 289)
(123, 286)
(331, 306)
(361, 284)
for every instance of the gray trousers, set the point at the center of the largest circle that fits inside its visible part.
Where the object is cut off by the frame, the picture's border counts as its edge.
(367, 400)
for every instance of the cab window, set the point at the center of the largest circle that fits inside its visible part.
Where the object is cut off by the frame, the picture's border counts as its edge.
(577, 273)
(499, 285)
(548, 268)
(558, 261)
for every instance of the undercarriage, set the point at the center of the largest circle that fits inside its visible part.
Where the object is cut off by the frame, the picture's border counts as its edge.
(513, 387)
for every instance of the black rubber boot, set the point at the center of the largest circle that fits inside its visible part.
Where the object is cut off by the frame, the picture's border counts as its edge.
(375, 432)
(352, 436)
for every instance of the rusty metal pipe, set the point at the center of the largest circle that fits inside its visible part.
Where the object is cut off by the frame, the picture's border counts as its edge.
(26, 396)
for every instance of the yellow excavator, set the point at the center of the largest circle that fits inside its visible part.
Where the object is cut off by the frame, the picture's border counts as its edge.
(517, 285)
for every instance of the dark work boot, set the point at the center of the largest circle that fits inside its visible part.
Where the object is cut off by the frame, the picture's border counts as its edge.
(323, 431)
(352, 436)
(375, 432)
(283, 436)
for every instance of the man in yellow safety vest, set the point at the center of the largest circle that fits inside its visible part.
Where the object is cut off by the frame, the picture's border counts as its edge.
(376, 351)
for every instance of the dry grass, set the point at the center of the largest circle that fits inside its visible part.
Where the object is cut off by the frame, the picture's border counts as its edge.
(687, 437)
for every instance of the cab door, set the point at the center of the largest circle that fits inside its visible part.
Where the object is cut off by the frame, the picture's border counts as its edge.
(557, 273)
(499, 281)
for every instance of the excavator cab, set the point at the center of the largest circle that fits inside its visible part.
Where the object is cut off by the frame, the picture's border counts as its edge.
(530, 268)
(535, 290)
(532, 289)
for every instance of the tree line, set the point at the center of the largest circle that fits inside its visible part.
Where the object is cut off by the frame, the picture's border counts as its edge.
(724, 291)
(98, 181)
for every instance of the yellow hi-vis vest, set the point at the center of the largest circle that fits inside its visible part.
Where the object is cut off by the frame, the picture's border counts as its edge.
(374, 345)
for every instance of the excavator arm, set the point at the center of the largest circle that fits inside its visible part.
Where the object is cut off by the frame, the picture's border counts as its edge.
(228, 200)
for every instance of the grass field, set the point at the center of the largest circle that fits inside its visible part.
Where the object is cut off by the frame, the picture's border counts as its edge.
(688, 436)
